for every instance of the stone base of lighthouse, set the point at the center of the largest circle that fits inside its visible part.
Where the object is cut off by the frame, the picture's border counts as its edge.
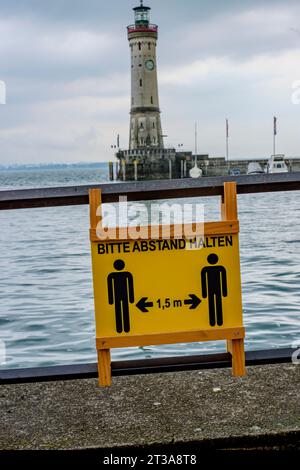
(153, 164)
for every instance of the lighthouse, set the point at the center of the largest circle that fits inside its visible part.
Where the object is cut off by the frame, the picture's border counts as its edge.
(145, 122)
(146, 157)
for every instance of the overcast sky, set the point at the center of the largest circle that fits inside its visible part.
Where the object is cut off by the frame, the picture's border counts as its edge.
(67, 72)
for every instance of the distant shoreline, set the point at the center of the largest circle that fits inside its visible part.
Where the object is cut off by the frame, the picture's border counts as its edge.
(52, 166)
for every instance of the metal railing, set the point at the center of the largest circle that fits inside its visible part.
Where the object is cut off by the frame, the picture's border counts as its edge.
(147, 190)
(143, 366)
(133, 28)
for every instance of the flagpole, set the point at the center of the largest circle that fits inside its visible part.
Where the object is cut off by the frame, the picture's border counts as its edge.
(196, 143)
(227, 145)
(274, 135)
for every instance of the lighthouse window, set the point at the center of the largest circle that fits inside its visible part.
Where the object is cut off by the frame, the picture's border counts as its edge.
(151, 99)
(140, 46)
(149, 46)
(141, 82)
(153, 125)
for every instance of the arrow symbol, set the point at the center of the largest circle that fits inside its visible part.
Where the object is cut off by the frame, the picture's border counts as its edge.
(194, 301)
(143, 305)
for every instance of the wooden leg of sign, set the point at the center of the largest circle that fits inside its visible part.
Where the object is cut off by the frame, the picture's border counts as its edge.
(236, 348)
(229, 202)
(229, 211)
(95, 207)
(104, 367)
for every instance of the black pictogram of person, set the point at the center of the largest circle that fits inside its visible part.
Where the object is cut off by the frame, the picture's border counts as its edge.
(120, 294)
(214, 286)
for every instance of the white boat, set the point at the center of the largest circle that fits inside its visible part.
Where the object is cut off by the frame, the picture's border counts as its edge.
(254, 168)
(277, 164)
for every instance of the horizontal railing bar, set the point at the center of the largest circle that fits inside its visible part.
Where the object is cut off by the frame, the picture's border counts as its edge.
(142, 366)
(147, 190)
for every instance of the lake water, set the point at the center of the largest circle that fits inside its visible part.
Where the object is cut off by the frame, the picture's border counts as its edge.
(46, 299)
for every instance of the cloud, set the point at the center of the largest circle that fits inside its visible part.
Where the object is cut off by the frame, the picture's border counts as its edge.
(259, 68)
(73, 129)
(31, 49)
(266, 29)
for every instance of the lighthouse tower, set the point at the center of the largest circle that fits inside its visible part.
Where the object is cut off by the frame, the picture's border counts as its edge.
(145, 123)
(146, 157)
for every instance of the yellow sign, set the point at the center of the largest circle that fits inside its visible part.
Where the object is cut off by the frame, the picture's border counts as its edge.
(166, 286)
(168, 290)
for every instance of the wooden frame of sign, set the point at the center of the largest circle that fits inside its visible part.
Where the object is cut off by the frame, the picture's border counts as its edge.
(234, 336)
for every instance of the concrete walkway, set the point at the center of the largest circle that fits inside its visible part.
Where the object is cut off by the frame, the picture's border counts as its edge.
(208, 408)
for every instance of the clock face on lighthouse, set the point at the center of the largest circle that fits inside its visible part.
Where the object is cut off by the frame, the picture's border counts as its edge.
(149, 65)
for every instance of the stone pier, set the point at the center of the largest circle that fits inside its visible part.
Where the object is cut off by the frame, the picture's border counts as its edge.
(209, 409)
